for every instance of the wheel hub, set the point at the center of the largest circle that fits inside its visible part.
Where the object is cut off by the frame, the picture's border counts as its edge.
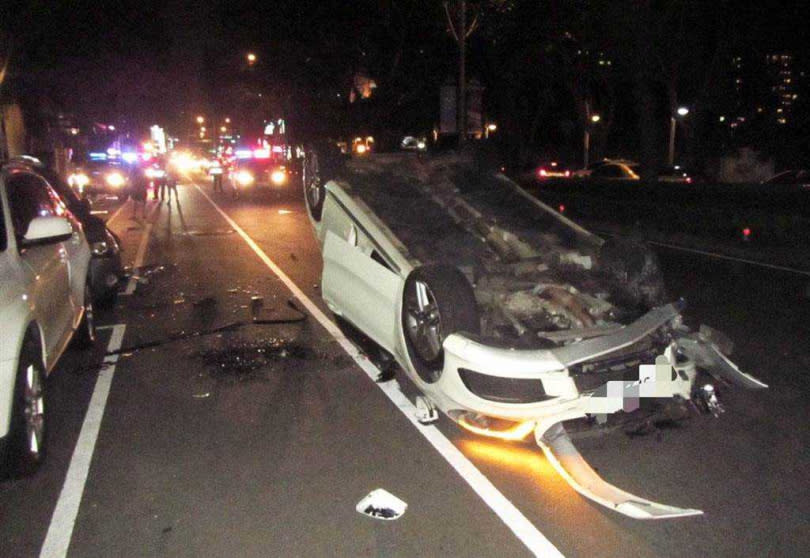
(34, 409)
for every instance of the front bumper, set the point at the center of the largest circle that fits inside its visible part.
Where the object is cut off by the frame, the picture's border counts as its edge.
(592, 377)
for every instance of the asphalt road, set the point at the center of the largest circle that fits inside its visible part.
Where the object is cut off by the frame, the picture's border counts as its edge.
(259, 440)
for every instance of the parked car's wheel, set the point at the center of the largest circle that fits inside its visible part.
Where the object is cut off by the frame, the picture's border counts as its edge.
(27, 437)
(85, 336)
(438, 300)
(322, 163)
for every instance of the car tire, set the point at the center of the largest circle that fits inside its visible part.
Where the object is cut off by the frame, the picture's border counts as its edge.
(26, 445)
(322, 163)
(437, 301)
(85, 336)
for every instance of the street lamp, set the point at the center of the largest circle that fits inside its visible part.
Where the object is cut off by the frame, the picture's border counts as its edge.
(251, 58)
(227, 120)
(681, 112)
(586, 141)
(200, 120)
(223, 129)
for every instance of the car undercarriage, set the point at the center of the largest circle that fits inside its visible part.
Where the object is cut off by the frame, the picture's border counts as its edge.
(514, 318)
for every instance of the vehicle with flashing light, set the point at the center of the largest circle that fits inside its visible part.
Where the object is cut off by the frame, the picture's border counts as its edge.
(97, 175)
(45, 303)
(258, 169)
(510, 318)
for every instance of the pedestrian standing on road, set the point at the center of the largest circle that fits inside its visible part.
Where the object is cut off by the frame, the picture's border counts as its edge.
(216, 173)
(138, 191)
(169, 185)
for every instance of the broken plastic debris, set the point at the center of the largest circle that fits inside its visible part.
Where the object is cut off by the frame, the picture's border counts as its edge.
(381, 504)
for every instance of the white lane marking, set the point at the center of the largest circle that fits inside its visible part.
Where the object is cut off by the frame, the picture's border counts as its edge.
(117, 212)
(514, 519)
(141, 254)
(64, 515)
(731, 258)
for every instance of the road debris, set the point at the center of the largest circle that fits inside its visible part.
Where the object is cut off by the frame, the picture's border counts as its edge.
(232, 326)
(241, 361)
(381, 504)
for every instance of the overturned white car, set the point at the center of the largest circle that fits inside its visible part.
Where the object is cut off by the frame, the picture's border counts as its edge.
(509, 317)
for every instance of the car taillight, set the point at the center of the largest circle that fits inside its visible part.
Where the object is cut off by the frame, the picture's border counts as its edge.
(562, 208)
(746, 232)
(689, 180)
(567, 174)
(542, 172)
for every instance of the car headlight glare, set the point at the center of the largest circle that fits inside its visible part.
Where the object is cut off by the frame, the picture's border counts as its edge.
(278, 177)
(78, 179)
(244, 178)
(115, 179)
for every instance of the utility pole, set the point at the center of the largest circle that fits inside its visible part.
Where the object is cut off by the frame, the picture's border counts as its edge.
(460, 34)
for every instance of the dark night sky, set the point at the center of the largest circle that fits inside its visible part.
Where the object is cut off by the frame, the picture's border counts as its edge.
(160, 54)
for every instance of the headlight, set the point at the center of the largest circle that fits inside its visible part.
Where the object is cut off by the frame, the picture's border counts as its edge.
(278, 177)
(115, 179)
(244, 178)
(99, 248)
(78, 179)
(360, 149)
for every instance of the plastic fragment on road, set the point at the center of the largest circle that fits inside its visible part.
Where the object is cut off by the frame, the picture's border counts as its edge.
(381, 504)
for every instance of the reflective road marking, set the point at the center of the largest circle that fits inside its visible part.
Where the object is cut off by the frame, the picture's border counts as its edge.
(534, 540)
(63, 520)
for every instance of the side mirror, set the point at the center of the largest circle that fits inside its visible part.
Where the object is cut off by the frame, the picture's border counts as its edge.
(47, 230)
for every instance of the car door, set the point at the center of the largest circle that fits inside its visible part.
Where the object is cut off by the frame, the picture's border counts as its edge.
(45, 265)
(358, 283)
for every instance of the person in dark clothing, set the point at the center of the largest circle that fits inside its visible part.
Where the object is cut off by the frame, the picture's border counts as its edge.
(139, 187)
(169, 185)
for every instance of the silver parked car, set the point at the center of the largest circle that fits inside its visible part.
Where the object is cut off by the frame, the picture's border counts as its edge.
(45, 302)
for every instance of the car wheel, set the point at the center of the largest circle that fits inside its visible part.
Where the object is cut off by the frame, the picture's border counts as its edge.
(438, 300)
(27, 438)
(86, 334)
(322, 163)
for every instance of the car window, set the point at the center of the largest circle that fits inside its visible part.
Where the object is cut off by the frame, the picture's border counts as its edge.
(29, 196)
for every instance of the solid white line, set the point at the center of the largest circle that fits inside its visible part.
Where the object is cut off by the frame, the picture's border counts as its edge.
(117, 212)
(730, 258)
(63, 520)
(141, 254)
(514, 519)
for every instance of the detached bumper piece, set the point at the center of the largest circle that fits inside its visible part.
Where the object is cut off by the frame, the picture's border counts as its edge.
(569, 463)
